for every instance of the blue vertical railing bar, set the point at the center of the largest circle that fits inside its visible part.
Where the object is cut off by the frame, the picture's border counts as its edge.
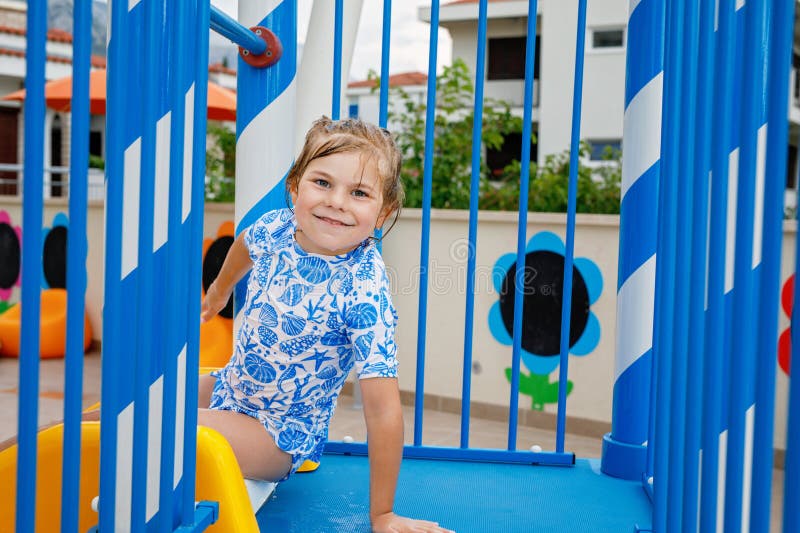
(475, 176)
(427, 176)
(566, 293)
(743, 355)
(715, 320)
(522, 221)
(698, 218)
(76, 264)
(781, 18)
(665, 267)
(683, 208)
(176, 264)
(336, 104)
(221, 23)
(145, 269)
(383, 106)
(117, 84)
(33, 178)
(195, 261)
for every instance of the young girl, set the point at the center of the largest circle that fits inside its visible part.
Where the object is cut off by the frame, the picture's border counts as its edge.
(318, 303)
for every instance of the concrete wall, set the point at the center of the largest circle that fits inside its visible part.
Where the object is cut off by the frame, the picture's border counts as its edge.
(596, 239)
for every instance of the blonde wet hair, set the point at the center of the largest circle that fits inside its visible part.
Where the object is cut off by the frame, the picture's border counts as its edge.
(327, 137)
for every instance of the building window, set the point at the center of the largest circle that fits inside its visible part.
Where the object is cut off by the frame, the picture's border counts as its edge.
(602, 149)
(607, 39)
(352, 110)
(511, 150)
(507, 59)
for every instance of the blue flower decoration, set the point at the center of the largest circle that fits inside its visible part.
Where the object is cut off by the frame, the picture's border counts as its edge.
(543, 279)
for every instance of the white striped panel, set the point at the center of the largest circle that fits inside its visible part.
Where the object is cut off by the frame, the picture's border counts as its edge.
(632, 6)
(264, 150)
(758, 209)
(188, 144)
(730, 241)
(252, 13)
(739, 4)
(180, 412)
(161, 193)
(635, 306)
(156, 399)
(132, 4)
(130, 207)
(124, 469)
(747, 477)
(642, 132)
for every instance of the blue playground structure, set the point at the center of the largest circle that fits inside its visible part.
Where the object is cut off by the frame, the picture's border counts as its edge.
(691, 444)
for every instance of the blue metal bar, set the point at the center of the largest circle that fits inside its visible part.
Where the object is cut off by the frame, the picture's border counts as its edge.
(117, 85)
(76, 265)
(143, 364)
(475, 176)
(427, 176)
(522, 221)
(31, 266)
(462, 454)
(665, 268)
(195, 259)
(176, 264)
(698, 183)
(743, 341)
(566, 293)
(383, 116)
(781, 18)
(780, 36)
(686, 185)
(336, 104)
(233, 30)
(716, 318)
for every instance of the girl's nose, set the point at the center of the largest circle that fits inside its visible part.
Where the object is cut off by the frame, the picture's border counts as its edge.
(337, 198)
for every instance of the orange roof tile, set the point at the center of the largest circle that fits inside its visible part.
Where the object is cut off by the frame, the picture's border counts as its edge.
(220, 68)
(400, 79)
(57, 36)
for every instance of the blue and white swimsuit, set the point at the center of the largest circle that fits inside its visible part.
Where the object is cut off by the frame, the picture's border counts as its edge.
(308, 318)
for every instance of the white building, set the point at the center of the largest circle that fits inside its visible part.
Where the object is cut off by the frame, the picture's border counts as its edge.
(604, 69)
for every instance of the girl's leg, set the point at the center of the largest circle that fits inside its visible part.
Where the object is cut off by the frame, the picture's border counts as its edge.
(205, 386)
(255, 450)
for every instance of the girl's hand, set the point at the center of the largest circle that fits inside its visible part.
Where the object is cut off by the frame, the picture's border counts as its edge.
(392, 523)
(213, 303)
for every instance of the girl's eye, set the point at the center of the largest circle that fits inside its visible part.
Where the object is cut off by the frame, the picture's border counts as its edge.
(359, 193)
(321, 182)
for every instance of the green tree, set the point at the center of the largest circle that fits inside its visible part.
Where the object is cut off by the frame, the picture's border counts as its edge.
(452, 147)
(598, 186)
(220, 164)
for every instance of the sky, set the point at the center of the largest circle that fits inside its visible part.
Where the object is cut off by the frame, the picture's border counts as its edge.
(409, 36)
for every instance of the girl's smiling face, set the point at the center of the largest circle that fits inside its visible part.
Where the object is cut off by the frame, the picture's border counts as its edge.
(338, 203)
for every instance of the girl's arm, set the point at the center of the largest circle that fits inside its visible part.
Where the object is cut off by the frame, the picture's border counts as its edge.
(384, 418)
(235, 266)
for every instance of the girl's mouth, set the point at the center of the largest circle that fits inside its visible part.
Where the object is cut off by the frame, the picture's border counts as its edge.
(331, 221)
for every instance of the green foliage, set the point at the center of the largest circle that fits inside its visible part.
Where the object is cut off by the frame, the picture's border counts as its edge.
(220, 164)
(539, 388)
(95, 161)
(598, 186)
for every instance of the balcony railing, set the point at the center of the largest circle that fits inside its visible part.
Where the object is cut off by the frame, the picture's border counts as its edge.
(56, 182)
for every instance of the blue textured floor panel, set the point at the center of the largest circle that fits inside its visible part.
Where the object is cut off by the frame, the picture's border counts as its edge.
(464, 496)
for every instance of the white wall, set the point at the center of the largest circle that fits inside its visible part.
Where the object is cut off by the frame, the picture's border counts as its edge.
(597, 238)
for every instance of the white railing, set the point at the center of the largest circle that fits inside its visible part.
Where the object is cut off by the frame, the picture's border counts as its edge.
(56, 182)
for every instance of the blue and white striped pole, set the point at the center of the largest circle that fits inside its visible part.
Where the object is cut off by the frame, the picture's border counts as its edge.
(624, 449)
(265, 118)
(316, 70)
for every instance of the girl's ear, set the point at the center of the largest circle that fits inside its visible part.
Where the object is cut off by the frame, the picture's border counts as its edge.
(293, 194)
(385, 212)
